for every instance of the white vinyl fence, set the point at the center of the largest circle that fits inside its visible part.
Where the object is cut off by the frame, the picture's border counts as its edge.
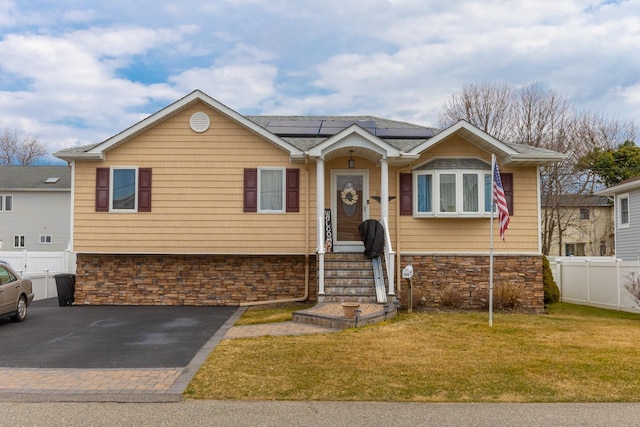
(41, 267)
(595, 281)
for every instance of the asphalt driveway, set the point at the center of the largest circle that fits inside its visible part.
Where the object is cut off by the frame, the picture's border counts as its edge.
(108, 336)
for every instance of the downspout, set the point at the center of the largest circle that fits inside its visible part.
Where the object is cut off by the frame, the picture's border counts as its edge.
(398, 238)
(306, 253)
(72, 166)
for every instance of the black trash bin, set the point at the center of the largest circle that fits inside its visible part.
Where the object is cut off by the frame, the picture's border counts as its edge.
(66, 284)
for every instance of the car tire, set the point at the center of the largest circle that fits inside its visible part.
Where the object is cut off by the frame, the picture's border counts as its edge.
(21, 311)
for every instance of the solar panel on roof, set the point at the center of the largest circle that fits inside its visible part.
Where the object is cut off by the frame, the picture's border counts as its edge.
(293, 131)
(331, 127)
(295, 123)
(303, 127)
(404, 132)
(312, 127)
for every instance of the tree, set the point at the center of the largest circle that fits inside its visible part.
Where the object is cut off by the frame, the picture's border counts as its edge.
(541, 118)
(17, 149)
(614, 165)
(488, 106)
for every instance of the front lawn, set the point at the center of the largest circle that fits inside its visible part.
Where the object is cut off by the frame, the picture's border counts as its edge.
(571, 354)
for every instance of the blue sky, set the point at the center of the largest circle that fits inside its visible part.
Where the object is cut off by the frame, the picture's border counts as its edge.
(76, 72)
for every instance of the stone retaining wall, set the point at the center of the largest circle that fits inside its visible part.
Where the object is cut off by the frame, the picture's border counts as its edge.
(468, 275)
(190, 279)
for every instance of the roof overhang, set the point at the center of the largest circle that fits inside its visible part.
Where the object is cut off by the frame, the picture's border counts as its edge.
(362, 143)
(98, 151)
(505, 152)
(623, 187)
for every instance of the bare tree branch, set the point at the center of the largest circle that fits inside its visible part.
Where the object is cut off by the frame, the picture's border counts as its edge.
(20, 150)
(542, 118)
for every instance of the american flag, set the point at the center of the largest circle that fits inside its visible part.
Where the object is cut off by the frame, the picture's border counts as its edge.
(500, 201)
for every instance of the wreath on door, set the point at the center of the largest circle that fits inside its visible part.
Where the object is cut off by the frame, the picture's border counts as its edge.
(349, 196)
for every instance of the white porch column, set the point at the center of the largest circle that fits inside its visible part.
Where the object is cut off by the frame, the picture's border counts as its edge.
(384, 189)
(320, 225)
(320, 200)
(384, 213)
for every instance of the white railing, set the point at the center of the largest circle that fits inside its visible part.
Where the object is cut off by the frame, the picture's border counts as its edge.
(41, 267)
(389, 257)
(595, 281)
(321, 242)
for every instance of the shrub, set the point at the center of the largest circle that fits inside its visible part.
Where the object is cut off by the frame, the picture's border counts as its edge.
(551, 291)
(449, 296)
(510, 295)
(506, 296)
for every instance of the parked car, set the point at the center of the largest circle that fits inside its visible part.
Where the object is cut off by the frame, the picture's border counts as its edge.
(16, 294)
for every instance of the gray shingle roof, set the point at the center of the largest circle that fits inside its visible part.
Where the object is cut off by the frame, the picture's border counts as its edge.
(298, 131)
(34, 178)
(395, 133)
(580, 201)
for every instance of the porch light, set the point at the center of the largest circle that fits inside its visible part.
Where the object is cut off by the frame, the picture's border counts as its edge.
(352, 162)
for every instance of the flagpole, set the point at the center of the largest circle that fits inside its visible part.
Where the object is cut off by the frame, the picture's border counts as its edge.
(493, 165)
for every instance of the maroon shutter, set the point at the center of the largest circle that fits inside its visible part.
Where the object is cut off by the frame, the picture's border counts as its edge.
(507, 186)
(293, 190)
(102, 190)
(144, 190)
(406, 194)
(251, 190)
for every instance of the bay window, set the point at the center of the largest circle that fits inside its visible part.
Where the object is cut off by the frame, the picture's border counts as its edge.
(457, 187)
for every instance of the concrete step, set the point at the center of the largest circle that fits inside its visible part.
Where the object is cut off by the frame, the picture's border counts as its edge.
(349, 277)
(356, 274)
(346, 290)
(336, 298)
(347, 265)
(331, 315)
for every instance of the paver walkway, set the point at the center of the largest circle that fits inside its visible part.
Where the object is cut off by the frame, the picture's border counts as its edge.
(282, 328)
(129, 385)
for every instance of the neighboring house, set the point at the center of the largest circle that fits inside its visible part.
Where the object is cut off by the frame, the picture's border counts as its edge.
(198, 204)
(626, 199)
(588, 226)
(35, 208)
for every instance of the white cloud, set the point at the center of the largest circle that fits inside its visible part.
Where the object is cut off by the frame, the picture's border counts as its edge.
(77, 75)
(240, 86)
(7, 13)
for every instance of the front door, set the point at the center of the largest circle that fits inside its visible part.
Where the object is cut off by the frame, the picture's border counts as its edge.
(349, 208)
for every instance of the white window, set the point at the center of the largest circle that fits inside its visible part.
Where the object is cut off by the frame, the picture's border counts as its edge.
(18, 242)
(45, 240)
(123, 189)
(453, 187)
(271, 189)
(6, 203)
(584, 214)
(623, 211)
(574, 249)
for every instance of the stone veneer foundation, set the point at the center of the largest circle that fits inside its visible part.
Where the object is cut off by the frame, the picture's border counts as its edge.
(469, 274)
(190, 279)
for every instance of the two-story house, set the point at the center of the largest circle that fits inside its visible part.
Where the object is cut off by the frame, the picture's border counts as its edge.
(35, 208)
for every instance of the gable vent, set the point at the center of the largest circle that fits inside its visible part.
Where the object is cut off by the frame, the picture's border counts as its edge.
(199, 122)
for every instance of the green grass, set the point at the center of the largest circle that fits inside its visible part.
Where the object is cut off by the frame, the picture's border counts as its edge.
(259, 314)
(572, 354)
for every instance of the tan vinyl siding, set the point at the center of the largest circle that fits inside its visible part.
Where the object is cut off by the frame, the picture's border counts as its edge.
(459, 235)
(197, 198)
(197, 194)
